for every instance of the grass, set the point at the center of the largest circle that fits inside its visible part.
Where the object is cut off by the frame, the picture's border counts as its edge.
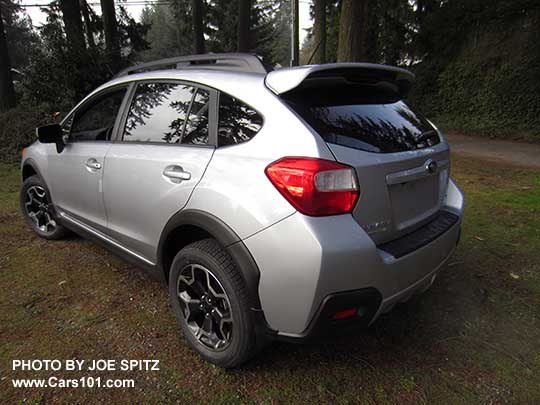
(474, 337)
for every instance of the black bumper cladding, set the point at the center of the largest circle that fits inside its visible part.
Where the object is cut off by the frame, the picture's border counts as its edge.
(367, 301)
(422, 236)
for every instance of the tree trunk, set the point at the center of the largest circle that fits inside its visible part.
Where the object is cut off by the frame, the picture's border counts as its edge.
(198, 31)
(295, 31)
(353, 30)
(7, 93)
(87, 25)
(110, 28)
(320, 31)
(71, 14)
(244, 12)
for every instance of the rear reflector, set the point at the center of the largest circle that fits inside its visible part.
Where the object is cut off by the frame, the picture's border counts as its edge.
(348, 313)
(315, 187)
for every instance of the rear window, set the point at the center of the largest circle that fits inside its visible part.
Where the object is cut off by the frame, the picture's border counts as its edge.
(377, 123)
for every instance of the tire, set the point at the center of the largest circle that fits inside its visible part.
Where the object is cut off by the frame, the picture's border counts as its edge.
(235, 340)
(45, 223)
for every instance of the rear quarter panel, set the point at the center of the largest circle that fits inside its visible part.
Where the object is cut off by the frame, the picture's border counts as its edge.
(235, 187)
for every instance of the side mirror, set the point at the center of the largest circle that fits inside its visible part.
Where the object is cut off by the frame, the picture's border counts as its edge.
(51, 134)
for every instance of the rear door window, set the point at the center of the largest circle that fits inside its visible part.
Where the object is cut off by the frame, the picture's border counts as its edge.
(375, 123)
(173, 113)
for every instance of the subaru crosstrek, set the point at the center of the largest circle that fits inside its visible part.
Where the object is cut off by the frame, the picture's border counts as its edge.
(275, 204)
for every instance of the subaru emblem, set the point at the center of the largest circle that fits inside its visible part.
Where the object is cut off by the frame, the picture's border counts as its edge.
(431, 166)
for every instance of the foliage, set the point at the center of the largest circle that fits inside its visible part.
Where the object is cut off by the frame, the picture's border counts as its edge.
(164, 37)
(17, 130)
(171, 29)
(280, 35)
(77, 74)
(390, 31)
(484, 77)
(19, 33)
(477, 61)
(131, 33)
(51, 77)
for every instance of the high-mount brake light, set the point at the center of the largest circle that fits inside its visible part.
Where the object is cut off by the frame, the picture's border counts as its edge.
(315, 187)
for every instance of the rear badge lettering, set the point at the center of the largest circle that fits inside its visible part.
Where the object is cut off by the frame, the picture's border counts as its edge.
(379, 226)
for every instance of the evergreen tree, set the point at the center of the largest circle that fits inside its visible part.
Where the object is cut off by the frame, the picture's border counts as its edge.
(353, 31)
(244, 25)
(198, 26)
(7, 92)
(280, 36)
(71, 16)
(110, 28)
(319, 28)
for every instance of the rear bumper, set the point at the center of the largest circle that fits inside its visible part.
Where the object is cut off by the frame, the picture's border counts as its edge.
(369, 303)
(306, 262)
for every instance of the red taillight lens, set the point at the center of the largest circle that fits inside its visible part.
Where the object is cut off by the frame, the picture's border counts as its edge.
(315, 187)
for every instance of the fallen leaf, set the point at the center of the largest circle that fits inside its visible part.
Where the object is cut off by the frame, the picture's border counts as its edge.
(514, 276)
(62, 282)
(479, 238)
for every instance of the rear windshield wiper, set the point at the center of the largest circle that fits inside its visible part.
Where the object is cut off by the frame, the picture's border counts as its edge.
(427, 134)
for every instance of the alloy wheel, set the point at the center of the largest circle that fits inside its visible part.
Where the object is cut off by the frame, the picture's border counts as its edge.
(205, 306)
(38, 209)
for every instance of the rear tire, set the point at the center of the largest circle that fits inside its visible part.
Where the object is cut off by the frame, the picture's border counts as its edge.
(38, 209)
(211, 304)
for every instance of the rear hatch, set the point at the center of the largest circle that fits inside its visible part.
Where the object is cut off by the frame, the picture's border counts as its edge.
(401, 163)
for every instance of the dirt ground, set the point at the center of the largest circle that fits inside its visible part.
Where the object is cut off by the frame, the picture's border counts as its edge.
(474, 337)
(515, 153)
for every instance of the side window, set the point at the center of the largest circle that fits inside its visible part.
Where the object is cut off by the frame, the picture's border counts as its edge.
(196, 131)
(238, 122)
(96, 121)
(168, 113)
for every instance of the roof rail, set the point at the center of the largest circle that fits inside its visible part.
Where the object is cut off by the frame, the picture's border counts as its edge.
(238, 62)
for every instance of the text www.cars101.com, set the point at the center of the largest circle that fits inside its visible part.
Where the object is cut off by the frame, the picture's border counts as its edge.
(83, 382)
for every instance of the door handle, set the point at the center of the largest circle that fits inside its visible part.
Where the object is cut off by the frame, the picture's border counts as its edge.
(176, 174)
(93, 164)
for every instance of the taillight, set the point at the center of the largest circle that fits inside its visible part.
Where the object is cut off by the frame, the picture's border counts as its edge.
(315, 187)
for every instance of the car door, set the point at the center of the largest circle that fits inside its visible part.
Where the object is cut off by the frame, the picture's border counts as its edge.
(75, 179)
(166, 143)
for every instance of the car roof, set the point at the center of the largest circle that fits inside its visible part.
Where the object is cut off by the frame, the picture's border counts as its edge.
(227, 81)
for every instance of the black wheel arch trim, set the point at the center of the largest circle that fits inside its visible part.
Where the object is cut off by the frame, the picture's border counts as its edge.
(30, 162)
(226, 238)
(236, 248)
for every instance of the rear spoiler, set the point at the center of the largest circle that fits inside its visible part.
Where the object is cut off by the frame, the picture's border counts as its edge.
(284, 80)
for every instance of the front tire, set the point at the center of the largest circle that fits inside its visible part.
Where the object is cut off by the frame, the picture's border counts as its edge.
(38, 209)
(211, 304)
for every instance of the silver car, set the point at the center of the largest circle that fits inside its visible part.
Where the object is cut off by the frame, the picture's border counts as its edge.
(275, 204)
